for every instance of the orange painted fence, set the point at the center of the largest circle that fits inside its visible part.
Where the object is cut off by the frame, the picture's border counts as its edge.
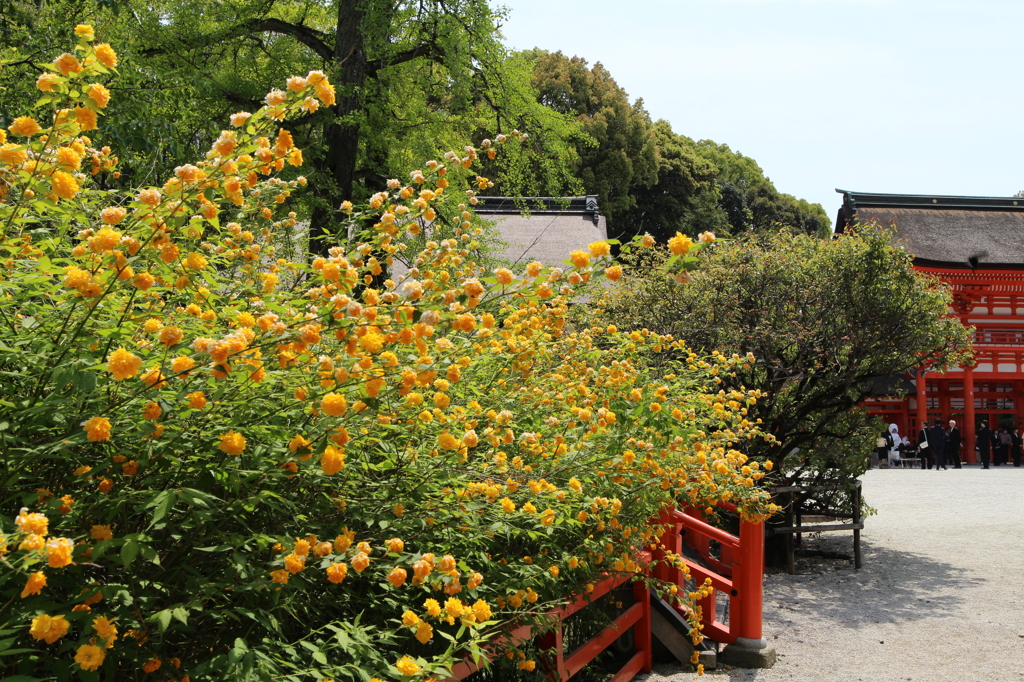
(737, 570)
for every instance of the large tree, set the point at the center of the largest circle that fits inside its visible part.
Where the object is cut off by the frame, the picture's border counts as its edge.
(414, 79)
(751, 203)
(685, 196)
(621, 156)
(820, 318)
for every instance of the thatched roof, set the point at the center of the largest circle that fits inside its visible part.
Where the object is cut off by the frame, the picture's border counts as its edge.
(550, 231)
(946, 231)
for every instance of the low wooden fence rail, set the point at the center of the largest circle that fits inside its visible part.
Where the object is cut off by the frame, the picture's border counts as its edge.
(737, 571)
(795, 496)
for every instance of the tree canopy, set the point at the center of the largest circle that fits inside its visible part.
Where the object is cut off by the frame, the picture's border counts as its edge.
(819, 319)
(649, 178)
(413, 79)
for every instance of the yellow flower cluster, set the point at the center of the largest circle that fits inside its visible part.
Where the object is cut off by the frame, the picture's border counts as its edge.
(451, 415)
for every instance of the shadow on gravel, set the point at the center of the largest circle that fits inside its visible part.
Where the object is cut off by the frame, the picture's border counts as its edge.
(892, 587)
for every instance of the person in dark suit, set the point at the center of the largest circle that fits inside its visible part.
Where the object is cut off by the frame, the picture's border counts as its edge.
(937, 441)
(1005, 446)
(953, 440)
(924, 447)
(1016, 447)
(984, 440)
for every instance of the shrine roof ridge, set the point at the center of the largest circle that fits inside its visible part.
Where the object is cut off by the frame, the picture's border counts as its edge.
(931, 201)
(945, 232)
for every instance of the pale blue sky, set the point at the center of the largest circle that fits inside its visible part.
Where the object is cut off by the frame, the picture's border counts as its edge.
(896, 96)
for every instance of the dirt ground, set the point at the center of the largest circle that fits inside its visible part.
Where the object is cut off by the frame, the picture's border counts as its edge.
(940, 597)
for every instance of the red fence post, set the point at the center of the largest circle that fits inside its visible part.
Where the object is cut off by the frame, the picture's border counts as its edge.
(748, 581)
(642, 629)
(750, 649)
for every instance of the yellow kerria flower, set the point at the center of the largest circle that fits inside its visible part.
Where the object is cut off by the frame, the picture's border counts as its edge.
(105, 53)
(680, 244)
(337, 571)
(49, 628)
(25, 126)
(99, 532)
(64, 185)
(34, 585)
(97, 429)
(123, 364)
(58, 552)
(46, 81)
(34, 523)
(334, 405)
(333, 460)
(407, 666)
(89, 657)
(397, 577)
(232, 443)
(106, 629)
(99, 94)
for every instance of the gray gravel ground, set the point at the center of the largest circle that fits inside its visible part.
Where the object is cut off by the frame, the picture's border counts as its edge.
(940, 597)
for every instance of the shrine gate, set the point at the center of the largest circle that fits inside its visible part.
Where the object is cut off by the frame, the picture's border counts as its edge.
(976, 245)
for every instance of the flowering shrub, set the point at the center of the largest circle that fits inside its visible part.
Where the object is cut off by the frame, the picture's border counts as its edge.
(226, 465)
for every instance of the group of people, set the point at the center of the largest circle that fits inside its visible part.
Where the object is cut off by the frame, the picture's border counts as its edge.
(939, 446)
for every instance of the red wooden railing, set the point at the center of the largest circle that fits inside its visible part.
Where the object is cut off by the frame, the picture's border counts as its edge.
(737, 571)
(560, 666)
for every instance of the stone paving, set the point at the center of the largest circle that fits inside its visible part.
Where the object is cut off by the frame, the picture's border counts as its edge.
(940, 597)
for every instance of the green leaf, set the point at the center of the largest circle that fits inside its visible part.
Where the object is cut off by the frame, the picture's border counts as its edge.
(129, 551)
(163, 619)
(163, 503)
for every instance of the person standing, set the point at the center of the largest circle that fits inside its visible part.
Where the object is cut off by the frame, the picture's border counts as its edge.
(937, 440)
(953, 440)
(924, 447)
(1005, 443)
(983, 438)
(895, 443)
(1016, 447)
(881, 454)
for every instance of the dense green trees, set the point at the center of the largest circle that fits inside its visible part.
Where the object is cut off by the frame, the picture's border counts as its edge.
(621, 157)
(820, 319)
(413, 78)
(651, 179)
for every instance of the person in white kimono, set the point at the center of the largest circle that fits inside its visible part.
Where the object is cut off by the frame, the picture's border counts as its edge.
(894, 452)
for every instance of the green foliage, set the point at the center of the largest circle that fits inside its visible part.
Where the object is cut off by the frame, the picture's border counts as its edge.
(415, 79)
(684, 198)
(751, 203)
(623, 156)
(259, 468)
(818, 319)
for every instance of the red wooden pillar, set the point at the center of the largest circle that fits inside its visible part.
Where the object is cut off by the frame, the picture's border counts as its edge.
(944, 408)
(922, 400)
(968, 428)
(748, 580)
(642, 630)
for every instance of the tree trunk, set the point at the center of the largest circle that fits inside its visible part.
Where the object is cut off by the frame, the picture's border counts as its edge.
(341, 137)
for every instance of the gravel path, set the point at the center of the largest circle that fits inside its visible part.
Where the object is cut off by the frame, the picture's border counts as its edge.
(940, 597)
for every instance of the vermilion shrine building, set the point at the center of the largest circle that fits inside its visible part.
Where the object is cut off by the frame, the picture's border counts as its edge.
(976, 245)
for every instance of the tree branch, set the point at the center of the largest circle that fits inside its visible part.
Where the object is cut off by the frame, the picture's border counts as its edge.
(310, 37)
